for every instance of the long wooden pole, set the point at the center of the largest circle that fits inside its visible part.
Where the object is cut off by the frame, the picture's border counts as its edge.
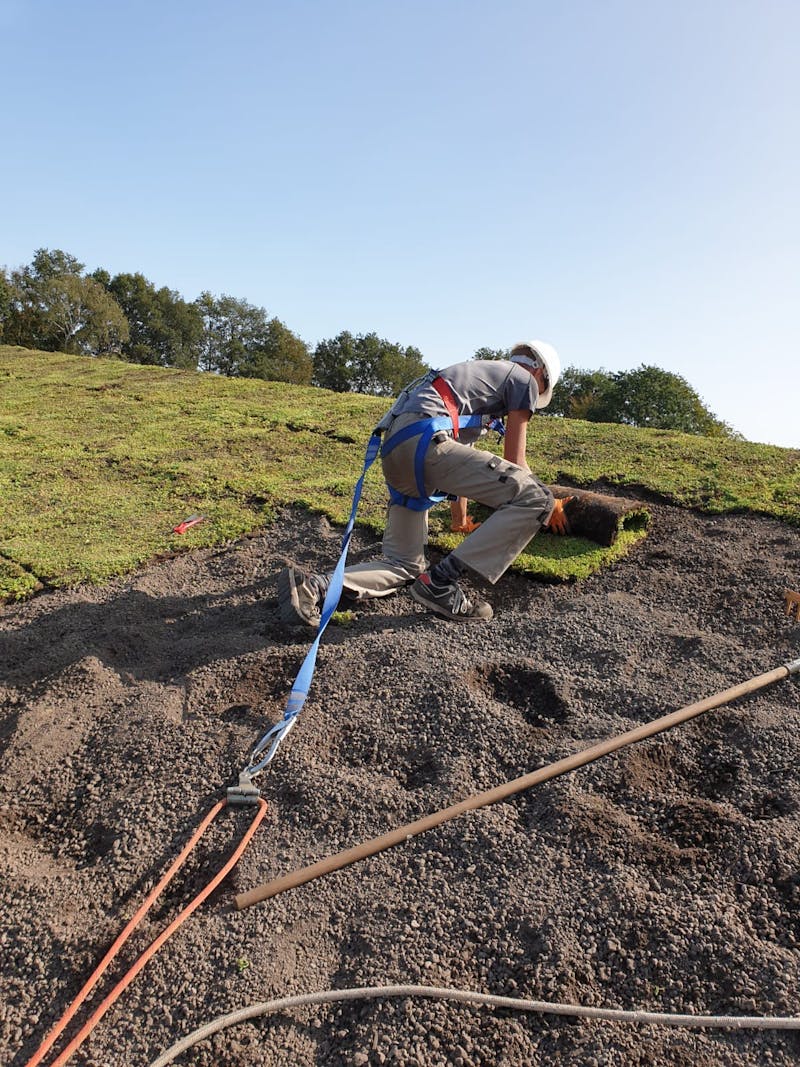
(509, 789)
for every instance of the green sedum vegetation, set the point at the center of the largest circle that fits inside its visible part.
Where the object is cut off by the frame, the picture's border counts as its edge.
(100, 459)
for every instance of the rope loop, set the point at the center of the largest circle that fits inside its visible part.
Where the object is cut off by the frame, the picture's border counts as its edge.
(149, 952)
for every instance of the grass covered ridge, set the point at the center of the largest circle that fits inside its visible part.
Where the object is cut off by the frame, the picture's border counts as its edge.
(100, 459)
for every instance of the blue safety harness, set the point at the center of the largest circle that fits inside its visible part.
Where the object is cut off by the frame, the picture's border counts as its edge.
(425, 428)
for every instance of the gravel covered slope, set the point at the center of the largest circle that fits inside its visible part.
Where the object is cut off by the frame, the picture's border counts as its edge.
(665, 877)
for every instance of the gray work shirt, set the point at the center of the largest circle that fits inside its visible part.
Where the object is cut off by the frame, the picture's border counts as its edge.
(490, 387)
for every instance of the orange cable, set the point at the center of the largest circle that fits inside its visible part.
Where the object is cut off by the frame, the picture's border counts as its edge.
(123, 937)
(149, 952)
(128, 930)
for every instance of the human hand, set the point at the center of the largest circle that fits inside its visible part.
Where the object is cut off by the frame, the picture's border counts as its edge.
(465, 527)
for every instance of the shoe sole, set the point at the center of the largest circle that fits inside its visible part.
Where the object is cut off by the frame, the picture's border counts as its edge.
(444, 613)
(289, 604)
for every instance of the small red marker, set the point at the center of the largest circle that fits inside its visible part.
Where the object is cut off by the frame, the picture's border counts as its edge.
(193, 520)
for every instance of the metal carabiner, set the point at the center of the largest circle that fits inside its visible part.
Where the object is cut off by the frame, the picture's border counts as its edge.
(272, 738)
(246, 792)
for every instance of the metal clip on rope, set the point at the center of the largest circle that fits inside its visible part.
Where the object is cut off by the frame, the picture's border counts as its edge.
(271, 741)
(245, 793)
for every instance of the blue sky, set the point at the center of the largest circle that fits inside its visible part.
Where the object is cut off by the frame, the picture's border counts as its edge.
(619, 178)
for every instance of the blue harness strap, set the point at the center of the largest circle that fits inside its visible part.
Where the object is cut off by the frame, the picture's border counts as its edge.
(424, 429)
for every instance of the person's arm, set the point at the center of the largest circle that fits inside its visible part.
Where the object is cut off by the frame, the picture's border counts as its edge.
(516, 438)
(458, 512)
(460, 522)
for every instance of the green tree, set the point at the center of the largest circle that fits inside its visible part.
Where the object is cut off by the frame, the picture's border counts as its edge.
(492, 353)
(284, 357)
(397, 366)
(6, 298)
(55, 307)
(365, 364)
(54, 263)
(165, 330)
(585, 394)
(230, 328)
(85, 320)
(334, 359)
(649, 396)
(240, 341)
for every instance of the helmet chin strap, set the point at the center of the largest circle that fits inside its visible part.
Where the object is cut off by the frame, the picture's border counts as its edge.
(527, 361)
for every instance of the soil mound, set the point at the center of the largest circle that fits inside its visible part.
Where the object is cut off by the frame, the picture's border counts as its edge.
(663, 878)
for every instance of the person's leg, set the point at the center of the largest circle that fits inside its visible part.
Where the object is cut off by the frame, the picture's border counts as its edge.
(521, 504)
(403, 556)
(301, 595)
(446, 599)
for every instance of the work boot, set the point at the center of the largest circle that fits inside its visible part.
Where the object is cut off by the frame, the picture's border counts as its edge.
(299, 598)
(448, 600)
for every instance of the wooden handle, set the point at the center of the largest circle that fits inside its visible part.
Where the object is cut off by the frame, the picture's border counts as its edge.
(508, 789)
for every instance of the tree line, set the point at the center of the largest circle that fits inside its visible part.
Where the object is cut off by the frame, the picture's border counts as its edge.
(53, 304)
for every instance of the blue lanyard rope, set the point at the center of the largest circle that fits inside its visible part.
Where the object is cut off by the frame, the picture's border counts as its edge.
(297, 698)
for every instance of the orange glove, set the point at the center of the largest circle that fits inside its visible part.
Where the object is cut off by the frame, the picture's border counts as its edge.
(558, 522)
(467, 528)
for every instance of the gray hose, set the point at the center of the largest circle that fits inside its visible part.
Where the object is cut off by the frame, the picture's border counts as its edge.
(331, 996)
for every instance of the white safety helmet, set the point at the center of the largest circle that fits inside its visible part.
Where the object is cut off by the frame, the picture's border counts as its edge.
(535, 354)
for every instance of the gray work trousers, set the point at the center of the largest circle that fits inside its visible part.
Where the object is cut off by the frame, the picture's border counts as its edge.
(521, 503)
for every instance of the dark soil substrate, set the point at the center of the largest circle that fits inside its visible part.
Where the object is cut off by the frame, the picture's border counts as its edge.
(665, 878)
